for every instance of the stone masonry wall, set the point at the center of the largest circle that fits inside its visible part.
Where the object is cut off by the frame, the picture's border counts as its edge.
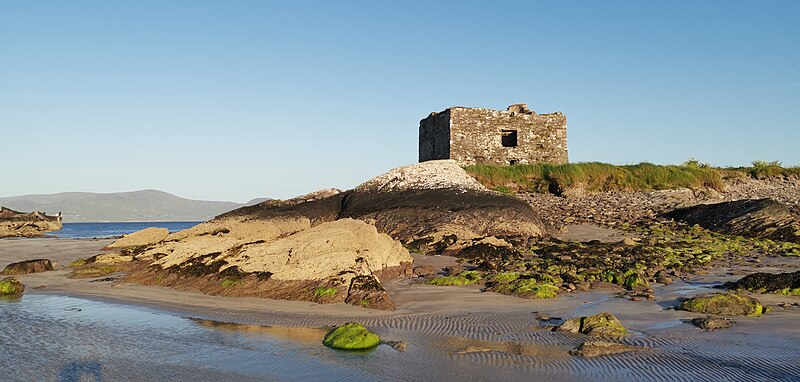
(476, 136)
(434, 137)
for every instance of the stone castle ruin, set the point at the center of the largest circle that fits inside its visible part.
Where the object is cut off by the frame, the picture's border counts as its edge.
(484, 136)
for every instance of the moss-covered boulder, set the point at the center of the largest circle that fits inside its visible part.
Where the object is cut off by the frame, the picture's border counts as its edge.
(351, 336)
(600, 325)
(725, 304)
(11, 286)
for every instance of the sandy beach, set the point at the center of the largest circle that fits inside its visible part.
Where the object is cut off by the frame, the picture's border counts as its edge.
(461, 333)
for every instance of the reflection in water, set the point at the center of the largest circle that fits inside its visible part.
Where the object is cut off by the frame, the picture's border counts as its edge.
(290, 333)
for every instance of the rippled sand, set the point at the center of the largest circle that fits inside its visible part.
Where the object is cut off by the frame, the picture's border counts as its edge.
(459, 333)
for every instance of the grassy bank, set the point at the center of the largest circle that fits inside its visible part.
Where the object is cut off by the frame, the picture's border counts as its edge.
(594, 176)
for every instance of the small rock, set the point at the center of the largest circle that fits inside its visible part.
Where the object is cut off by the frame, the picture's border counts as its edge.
(590, 349)
(424, 270)
(397, 345)
(28, 266)
(453, 270)
(662, 278)
(474, 349)
(572, 325)
(711, 323)
(11, 287)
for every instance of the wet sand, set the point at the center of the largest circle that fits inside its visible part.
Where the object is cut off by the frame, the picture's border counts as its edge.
(460, 333)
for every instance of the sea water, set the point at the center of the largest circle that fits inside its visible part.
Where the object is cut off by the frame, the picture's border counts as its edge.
(114, 229)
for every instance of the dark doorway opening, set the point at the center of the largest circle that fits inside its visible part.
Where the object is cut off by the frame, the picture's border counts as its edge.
(508, 138)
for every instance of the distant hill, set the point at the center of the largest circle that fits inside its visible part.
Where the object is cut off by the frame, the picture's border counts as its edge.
(145, 205)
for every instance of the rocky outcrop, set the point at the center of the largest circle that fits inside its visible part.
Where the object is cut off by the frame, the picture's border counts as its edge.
(18, 224)
(432, 207)
(28, 266)
(435, 207)
(147, 236)
(283, 258)
(780, 283)
(763, 218)
(337, 246)
(724, 304)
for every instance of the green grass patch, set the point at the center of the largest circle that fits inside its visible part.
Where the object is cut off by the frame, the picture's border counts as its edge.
(595, 176)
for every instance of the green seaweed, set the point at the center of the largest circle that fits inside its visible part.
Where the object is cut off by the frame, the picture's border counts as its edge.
(351, 336)
(463, 278)
(11, 286)
(325, 292)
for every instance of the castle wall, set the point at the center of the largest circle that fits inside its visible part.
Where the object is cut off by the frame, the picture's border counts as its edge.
(477, 137)
(434, 136)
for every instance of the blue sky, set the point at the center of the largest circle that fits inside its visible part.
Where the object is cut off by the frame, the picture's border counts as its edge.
(230, 100)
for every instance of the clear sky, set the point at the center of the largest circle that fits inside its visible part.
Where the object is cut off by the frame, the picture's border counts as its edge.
(231, 100)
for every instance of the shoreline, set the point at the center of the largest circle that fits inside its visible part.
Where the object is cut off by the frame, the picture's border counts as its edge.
(463, 327)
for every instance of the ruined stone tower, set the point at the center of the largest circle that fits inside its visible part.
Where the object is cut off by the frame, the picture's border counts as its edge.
(485, 136)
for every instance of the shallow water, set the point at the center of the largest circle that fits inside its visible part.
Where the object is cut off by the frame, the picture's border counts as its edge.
(47, 338)
(58, 338)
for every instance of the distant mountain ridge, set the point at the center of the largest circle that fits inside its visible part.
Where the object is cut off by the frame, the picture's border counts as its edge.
(144, 205)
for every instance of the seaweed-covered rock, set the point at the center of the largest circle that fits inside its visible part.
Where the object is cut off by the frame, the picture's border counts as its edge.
(633, 279)
(351, 336)
(781, 283)
(11, 286)
(724, 304)
(366, 291)
(603, 325)
(599, 325)
(713, 323)
(590, 349)
(764, 218)
(28, 266)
